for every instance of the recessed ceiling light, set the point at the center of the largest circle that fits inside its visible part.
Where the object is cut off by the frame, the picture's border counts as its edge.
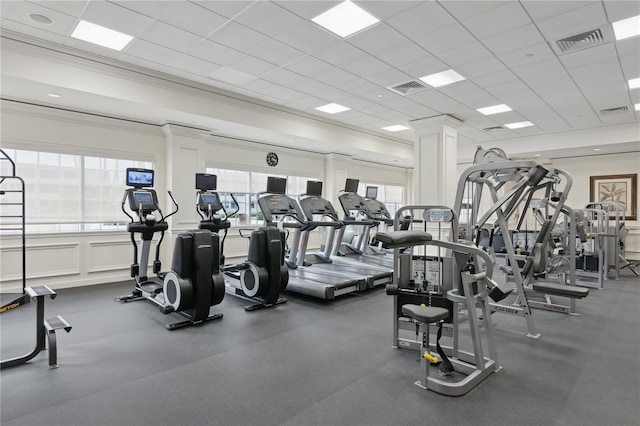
(53, 95)
(442, 78)
(101, 36)
(537, 155)
(41, 19)
(395, 128)
(345, 19)
(626, 28)
(634, 83)
(519, 125)
(379, 96)
(597, 149)
(332, 108)
(495, 109)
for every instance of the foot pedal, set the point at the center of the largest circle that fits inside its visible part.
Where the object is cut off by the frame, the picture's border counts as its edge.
(497, 294)
(57, 323)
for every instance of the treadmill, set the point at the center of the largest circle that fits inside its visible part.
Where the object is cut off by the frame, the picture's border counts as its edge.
(276, 208)
(319, 210)
(354, 206)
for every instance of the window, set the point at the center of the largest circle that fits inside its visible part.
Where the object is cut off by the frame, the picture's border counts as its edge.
(392, 196)
(66, 192)
(245, 187)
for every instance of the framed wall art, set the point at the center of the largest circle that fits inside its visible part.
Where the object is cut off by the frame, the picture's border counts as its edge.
(620, 189)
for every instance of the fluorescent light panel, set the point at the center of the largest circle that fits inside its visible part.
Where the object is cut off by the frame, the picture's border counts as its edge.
(101, 36)
(442, 78)
(634, 83)
(627, 28)
(332, 108)
(519, 125)
(395, 128)
(637, 107)
(495, 109)
(345, 19)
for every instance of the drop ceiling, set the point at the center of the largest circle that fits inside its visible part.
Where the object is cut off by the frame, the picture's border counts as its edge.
(271, 52)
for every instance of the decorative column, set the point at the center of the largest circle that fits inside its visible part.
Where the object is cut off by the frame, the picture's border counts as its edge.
(435, 175)
(336, 168)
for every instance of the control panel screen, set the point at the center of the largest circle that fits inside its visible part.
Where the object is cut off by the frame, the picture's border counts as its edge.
(207, 200)
(372, 192)
(314, 188)
(351, 185)
(276, 185)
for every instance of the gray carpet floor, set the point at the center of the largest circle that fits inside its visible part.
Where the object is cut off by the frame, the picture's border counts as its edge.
(309, 362)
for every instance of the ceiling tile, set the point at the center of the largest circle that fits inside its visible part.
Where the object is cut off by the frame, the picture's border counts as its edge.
(515, 39)
(276, 52)
(170, 36)
(446, 38)
(252, 65)
(215, 52)
(232, 76)
(468, 54)
(467, 8)
(192, 17)
(597, 74)
(71, 8)
(401, 54)
(309, 66)
(542, 73)
(527, 56)
(420, 20)
(377, 38)
(390, 77)
(155, 53)
(543, 9)
(307, 37)
(367, 67)
(268, 18)
(605, 52)
(226, 8)
(261, 86)
(365, 89)
(148, 8)
(481, 68)
(508, 16)
(385, 10)
(337, 78)
(618, 10)
(340, 54)
(18, 27)
(62, 24)
(308, 9)
(427, 64)
(283, 77)
(606, 96)
(574, 22)
(238, 37)
(629, 54)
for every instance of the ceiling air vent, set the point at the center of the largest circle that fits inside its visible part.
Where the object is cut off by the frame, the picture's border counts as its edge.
(408, 88)
(617, 110)
(581, 41)
(490, 129)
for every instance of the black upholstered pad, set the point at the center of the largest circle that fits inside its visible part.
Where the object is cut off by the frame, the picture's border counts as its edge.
(394, 239)
(561, 290)
(425, 314)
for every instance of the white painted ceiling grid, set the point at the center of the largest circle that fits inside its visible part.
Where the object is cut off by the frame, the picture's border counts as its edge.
(270, 50)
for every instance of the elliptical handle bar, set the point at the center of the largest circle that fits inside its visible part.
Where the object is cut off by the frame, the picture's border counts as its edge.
(164, 218)
(124, 200)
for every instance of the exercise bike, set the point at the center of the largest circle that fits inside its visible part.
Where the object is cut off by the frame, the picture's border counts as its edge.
(264, 275)
(195, 282)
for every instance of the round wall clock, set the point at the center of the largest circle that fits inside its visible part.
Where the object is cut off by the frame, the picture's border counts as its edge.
(272, 159)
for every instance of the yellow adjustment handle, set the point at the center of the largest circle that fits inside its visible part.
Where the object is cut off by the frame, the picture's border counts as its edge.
(430, 358)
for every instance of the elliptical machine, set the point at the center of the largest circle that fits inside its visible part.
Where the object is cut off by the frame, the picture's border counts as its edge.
(194, 283)
(264, 275)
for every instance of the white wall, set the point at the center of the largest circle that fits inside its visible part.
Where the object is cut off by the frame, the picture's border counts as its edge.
(63, 260)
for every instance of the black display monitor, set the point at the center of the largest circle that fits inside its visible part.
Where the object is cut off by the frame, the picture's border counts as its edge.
(140, 178)
(351, 185)
(372, 192)
(209, 199)
(206, 182)
(144, 199)
(276, 185)
(314, 188)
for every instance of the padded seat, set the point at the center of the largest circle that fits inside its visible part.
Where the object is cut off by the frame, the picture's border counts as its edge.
(561, 290)
(425, 314)
(393, 239)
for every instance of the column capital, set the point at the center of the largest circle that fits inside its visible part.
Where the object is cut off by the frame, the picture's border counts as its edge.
(429, 125)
